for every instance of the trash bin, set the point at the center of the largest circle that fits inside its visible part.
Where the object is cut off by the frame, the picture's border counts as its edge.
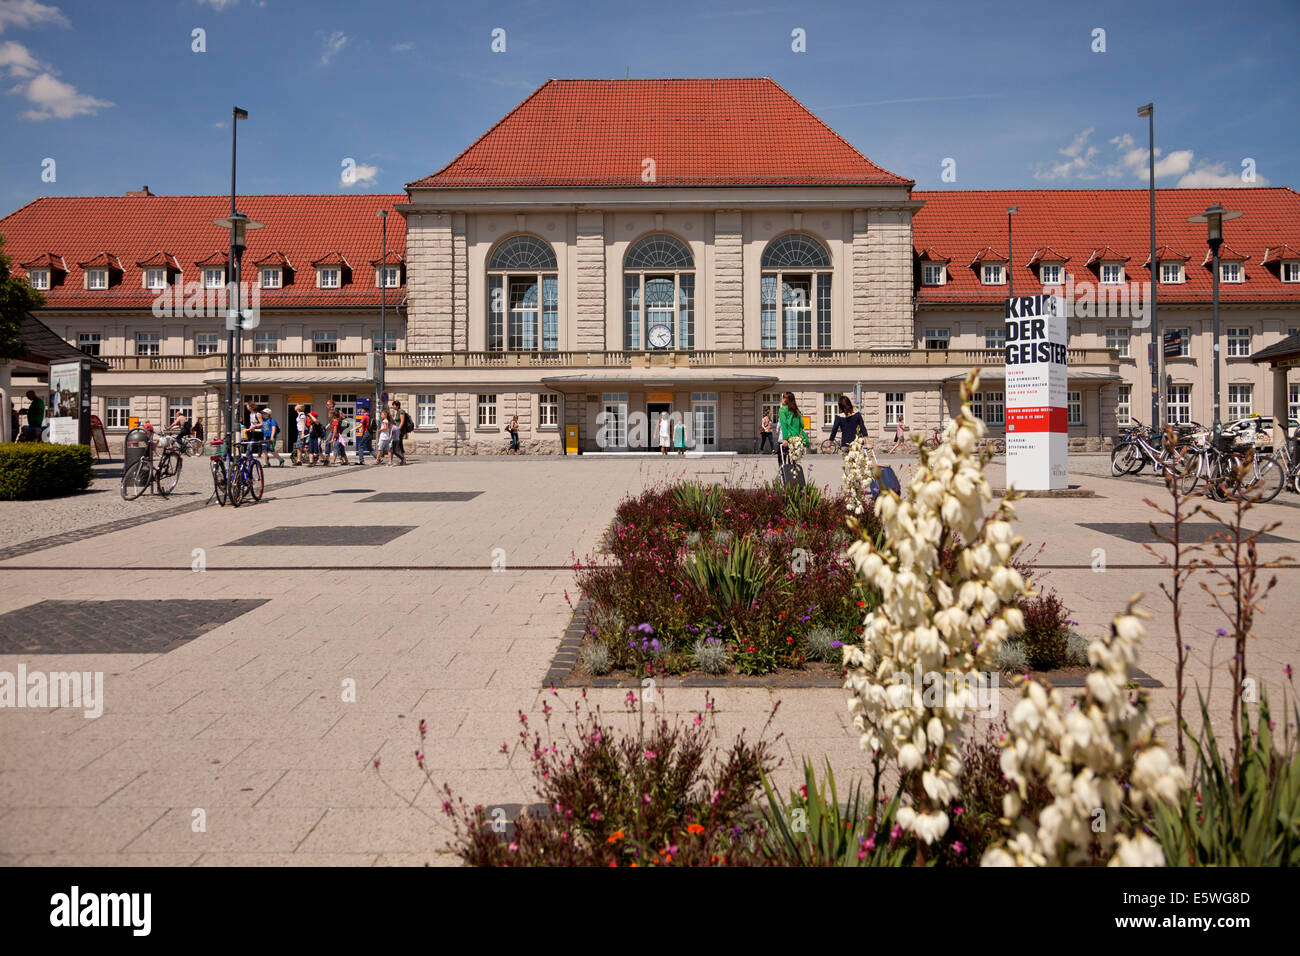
(136, 447)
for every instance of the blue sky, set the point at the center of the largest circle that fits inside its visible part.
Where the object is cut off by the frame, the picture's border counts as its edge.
(1012, 92)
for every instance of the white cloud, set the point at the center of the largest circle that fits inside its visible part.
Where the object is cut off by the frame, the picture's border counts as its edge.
(362, 175)
(218, 5)
(403, 47)
(1077, 144)
(1133, 161)
(1215, 176)
(333, 43)
(220, 125)
(55, 99)
(17, 59)
(28, 13)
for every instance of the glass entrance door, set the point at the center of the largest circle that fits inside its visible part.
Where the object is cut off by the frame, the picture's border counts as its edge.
(704, 414)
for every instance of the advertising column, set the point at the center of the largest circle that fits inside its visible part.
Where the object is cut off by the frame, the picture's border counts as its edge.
(1037, 420)
(68, 410)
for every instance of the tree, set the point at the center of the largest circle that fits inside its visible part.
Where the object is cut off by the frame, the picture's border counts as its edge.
(17, 299)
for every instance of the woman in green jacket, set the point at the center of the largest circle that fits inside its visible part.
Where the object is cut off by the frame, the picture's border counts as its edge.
(791, 421)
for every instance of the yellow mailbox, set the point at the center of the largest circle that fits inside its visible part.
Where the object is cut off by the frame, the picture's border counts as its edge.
(571, 440)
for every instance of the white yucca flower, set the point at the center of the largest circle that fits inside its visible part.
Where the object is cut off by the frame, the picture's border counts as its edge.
(1080, 752)
(858, 473)
(796, 449)
(933, 625)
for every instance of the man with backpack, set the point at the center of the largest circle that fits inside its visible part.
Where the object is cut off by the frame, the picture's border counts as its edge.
(404, 427)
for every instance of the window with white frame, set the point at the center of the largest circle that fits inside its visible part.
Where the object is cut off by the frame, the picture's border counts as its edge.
(487, 411)
(1240, 401)
(795, 294)
(934, 273)
(387, 344)
(39, 278)
(1293, 401)
(548, 411)
(995, 338)
(1239, 341)
(830, 408)
(117, 411)
(265, 342)
(390, 277)
(1185, 349)
(990, 407)
(205, 343)
(1290, 272)
(1112, 273)
(1118, 339)
(147, 343)
(936, 338)
(893, 408)
(1049, 273)
(1171, 273)
(96, 278)
(771, 402)
(1124, 405)
(179, 403)
(325, 342)
(426, 411)
(1230, 272)
(524, 297)
(1179, 401)
(328, 277)
(155, 278)
(214, 278)
(88, 342)
(993, 274)
(1074, 408)
(612, 422)
(271, 277)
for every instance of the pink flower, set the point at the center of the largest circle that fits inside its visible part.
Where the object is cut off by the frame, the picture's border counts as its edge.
(698, 720)
(514, 847)
(649, 755)
(959, 847)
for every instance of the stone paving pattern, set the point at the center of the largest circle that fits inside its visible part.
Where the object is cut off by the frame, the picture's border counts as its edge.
(249, 724)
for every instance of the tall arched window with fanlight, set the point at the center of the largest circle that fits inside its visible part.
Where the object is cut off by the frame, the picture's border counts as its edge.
(658, 294)
(796, 294)
(523, 296)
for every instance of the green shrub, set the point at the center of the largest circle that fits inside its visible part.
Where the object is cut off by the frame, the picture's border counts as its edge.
(595, 657)
(42, 470)
(1045, 638)
(826, 644)
(710, 655)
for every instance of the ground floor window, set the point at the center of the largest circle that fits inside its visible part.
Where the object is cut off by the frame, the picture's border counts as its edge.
(830, 408)
(704, 408)
(612, 424)
(426, 411)
(548, 411)
(116, 412)
(1074, 408)
(989, 407)
(1124, 405)
(1240, 401)
(487, 411)
(1179, 401)
(893, 408)
(1293, 401)
(771, 402)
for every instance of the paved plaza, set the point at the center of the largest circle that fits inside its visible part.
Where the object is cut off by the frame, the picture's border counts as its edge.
(436, 591)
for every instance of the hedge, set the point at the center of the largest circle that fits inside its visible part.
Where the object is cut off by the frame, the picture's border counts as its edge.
(42, 470)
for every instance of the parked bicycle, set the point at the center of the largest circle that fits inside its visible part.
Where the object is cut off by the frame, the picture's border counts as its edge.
(246, 480)
(159, 467)
(220, 482)
(1230, 469)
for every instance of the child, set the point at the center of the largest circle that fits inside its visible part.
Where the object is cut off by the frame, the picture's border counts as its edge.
(304, 426)
(385, 439)
(314, 435)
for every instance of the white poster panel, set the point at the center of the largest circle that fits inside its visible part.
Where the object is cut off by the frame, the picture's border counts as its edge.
(64, 409)
(1036, 414)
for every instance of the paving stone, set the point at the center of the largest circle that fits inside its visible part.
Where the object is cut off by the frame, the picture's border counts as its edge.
(398, 496)
(323, 536)
(115, 627)
(1193, 532)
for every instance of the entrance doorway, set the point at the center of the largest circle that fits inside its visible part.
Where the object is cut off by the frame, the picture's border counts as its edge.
(704, 409)
(653, 411)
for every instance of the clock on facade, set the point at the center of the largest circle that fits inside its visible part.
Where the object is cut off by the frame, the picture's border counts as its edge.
(660, 336)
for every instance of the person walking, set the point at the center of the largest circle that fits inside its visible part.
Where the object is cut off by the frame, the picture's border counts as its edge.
(513, 429)
(402, 426)
(900, 435)
(35, 416)
(363, 437)
(337, 450)
(270, 432)
(791, 421)
(315, 432)
(254, 427)
(304, 427)
(385, 439)
(848, 423)
(679, 439)
(765, 434)
(665, 433)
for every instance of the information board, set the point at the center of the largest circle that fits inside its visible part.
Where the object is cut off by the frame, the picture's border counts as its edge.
(1036, 415)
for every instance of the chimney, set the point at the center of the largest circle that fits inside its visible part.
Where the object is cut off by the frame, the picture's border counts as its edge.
(142, 191)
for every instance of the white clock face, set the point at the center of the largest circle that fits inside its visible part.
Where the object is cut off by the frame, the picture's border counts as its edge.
(660, 336)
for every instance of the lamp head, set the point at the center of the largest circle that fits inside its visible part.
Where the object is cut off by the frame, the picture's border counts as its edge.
(1214, 217)
(239, 225)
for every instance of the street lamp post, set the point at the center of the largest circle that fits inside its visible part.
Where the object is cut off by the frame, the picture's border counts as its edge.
(1214, 218)
(383, 307)
(239, 225)
(1157, 345)
(1011, 283)
(232, 361)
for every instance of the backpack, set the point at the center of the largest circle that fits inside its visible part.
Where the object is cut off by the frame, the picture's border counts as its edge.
(316, 430)
(407, 425)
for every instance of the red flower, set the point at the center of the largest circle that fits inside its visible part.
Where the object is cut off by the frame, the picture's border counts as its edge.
(789, 640)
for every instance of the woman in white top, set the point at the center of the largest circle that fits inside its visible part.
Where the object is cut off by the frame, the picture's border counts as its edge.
(665, 433)
(385, 439)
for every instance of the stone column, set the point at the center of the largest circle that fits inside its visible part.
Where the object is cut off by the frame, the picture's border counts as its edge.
(430, 283)
(590, 287)
(728, 317)
(460, 284)
(889, 278)
(859, 272)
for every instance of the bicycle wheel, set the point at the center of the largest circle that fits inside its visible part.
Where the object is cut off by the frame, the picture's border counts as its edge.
(1187, 470)
(169, 472)
(193, 447)
(135, 479)
(236, 483)
(1121, 460)
(256, 480)
(219, 486)
(1267, 479)
(827, 447)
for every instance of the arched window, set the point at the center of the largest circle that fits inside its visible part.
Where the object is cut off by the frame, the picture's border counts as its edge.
(796, 283)
(522, 283)
(658, 294)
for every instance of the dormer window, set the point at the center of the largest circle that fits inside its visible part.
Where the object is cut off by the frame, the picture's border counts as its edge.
(328, 277)
(214, 278)
(1291, 271)
(390, 277)
(1112, 273)
(1230, 272)
(934, 273)
(96, 278)
(1050, 273)
(992, 274)
(272, 277)
(1171, 273)
(155, 278)
(40, 279)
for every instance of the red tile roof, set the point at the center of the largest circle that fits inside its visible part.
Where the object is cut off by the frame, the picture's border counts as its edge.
(1279, 253)
(301, 228)
(1047, 254)
(159, 258)
(962, 223)
(1165, 253)
(46, 260)
(101, 261)
(698, 132)
(1107, 254)
(1226, 254)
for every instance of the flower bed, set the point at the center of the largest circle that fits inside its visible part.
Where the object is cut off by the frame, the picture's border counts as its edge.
(712, 580)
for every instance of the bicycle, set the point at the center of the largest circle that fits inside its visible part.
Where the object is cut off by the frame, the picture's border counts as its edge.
(144, 473)
(220, 482)
(246, 478)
